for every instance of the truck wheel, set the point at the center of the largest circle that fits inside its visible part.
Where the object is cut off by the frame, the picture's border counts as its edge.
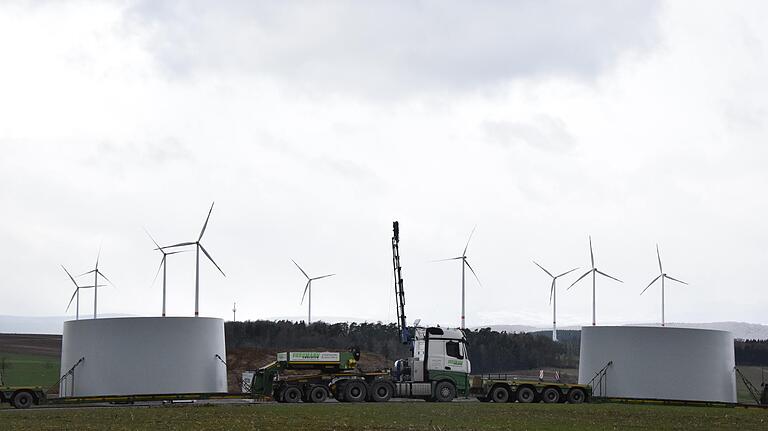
(526, 395)
(550, 395)
(499, 394)
(354, 392)
(292, 395)
(317, 394)
(576, 396)
(381, 392)
(444, 392)
(23, 400)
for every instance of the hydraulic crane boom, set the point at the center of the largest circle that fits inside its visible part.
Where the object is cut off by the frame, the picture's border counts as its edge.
(405, 336)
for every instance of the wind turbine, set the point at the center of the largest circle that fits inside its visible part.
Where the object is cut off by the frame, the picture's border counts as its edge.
(163, 264)
(96, 273)
(553, 297)
(76, 294)
(464, 263)
(198, 247)
(234, 311)
(308, 289)
(661, 276)
(593, 271)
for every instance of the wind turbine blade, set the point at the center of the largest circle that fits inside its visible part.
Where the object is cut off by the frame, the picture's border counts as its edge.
(591, 254)
(98, 255)
(661, 271)
(206, 223)
(305, 291)
(567, 272)
(649, 284)
(551, 291)
(72, 299)
(450, 258)
(674, 279)
(302, 271)
(542, 268)
(473, 272)
(86, 273)
(105, 278)
(579, 279)
(162, 261)
(211, 259)
(70, 275)
(468, 239)
(181, 244)
(323, 276)
(150, 237)
(177, 252)
(606, 275)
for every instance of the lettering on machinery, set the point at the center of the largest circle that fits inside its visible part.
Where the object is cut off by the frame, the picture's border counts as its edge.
(315, 356)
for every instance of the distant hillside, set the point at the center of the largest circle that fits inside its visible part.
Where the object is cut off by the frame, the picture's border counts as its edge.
(740, 330)
(40, 325)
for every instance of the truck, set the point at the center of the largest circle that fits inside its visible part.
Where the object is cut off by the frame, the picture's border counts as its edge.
(438, 369)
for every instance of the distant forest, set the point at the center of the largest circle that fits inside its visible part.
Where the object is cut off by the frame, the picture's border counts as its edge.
(490, 351)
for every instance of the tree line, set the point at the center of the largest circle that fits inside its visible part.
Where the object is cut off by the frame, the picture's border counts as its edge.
(490, 351)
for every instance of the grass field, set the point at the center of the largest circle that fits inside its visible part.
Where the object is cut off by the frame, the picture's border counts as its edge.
(390, 416)
(29, 370)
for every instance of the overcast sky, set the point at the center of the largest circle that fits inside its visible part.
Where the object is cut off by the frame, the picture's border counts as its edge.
(314, 125)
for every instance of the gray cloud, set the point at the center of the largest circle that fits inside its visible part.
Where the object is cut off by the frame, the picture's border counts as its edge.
(390, 48)
(543, 132)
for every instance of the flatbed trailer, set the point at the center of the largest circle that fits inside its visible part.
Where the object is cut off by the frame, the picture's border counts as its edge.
(502, 389)
(25, 397)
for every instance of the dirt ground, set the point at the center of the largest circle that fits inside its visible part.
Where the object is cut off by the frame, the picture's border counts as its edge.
(31, 344)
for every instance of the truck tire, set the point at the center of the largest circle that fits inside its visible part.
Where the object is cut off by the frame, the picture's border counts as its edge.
(444, 392)
(526, 395)
(576, 396)
(292, 394)
(499, 394)
(381, 392)
(22, 400)
(317, 394)
(550, 395)
(354, 391)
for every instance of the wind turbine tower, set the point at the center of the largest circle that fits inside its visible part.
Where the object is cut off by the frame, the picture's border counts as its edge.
(308, 289)
(594, 271)
(198, 248)
(553, 297)
(163, 264)
(464, 264)
(661, 276)
(96, 273)
(234, 311)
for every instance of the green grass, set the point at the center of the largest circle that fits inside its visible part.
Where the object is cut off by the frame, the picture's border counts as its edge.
(391, 416)
(29, 370)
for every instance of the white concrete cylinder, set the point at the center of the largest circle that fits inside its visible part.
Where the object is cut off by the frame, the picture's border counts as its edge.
(659, 362)
(143, 355)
